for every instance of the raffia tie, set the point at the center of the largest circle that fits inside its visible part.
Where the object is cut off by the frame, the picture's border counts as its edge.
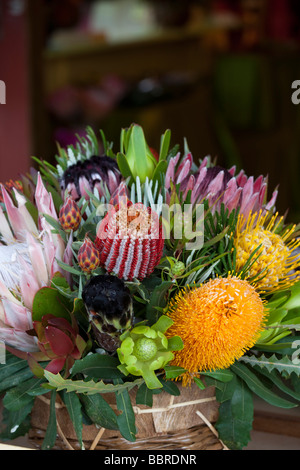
(138, 410)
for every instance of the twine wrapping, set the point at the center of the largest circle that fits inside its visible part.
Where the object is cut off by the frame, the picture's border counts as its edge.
(140, 411)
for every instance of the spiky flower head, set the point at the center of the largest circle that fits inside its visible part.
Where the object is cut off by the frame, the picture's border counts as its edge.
(219, 186)
(218, 322)
(265, 252)
(88, 256)
(70, 215)
(100, 172)
(109, 304)
(146, 349)
(130, 240)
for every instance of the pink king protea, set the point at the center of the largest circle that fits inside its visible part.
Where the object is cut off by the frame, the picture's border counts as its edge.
(219, 185)
(130, 240)
(28, 261)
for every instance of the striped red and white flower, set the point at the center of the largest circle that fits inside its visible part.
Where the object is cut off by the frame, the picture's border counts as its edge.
(28, 261)
(130, 240)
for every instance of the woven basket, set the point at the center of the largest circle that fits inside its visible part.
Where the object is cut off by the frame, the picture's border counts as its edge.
(183, 422)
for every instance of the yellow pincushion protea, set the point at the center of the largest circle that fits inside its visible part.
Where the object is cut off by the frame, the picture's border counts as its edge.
(218, 322)
(273, 265)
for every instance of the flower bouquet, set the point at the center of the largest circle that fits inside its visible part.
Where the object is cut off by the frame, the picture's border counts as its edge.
(144, 296)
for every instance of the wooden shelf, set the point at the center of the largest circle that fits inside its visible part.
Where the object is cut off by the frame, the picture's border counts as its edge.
(179, 50)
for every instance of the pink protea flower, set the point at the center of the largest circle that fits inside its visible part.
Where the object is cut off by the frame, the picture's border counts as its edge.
(130, 240)
(96, 172)
(219, 185)
(28, 262)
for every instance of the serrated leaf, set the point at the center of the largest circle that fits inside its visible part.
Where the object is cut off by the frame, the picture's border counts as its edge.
(89, 387)
(284, 364)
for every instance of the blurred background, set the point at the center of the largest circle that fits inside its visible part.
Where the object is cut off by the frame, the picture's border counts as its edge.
(216, 72)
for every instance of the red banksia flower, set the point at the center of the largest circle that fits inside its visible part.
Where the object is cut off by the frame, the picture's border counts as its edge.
(130, 240)
(88, 256)
(69, 215)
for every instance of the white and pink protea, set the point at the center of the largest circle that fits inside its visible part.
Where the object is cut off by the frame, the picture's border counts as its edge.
(219, 186)
(28, 262)
(130, 240)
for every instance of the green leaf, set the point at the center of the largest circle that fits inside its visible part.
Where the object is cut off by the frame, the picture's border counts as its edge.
(89, 387)
(123, 166)
(16, 379)
(18, 397)
(236, 417)
(49, 300)
(164, 145)
(50, 436)
(158, 299)
(172, 372)
(12, 365)
(144, 396)
(222, 375)
(170, 387)
(16, 423)
(99, 411)
(126, 419)
(73, 404)
(97, 366)
(160, 168)
(199, 383)
(282, 365)
(257, 387)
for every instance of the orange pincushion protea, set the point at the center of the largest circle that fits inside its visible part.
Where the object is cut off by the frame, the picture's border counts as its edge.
(217, 322)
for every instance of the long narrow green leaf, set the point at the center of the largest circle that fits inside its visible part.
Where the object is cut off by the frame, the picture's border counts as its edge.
(99, 411)
(126, 419)
(12, 365)
(72, 402)
(15, 379)
(144, 396)
(259, 388)
(50, 436)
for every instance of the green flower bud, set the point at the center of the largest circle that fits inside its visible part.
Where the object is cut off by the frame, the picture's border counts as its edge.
(178, 268)
(146, 349)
